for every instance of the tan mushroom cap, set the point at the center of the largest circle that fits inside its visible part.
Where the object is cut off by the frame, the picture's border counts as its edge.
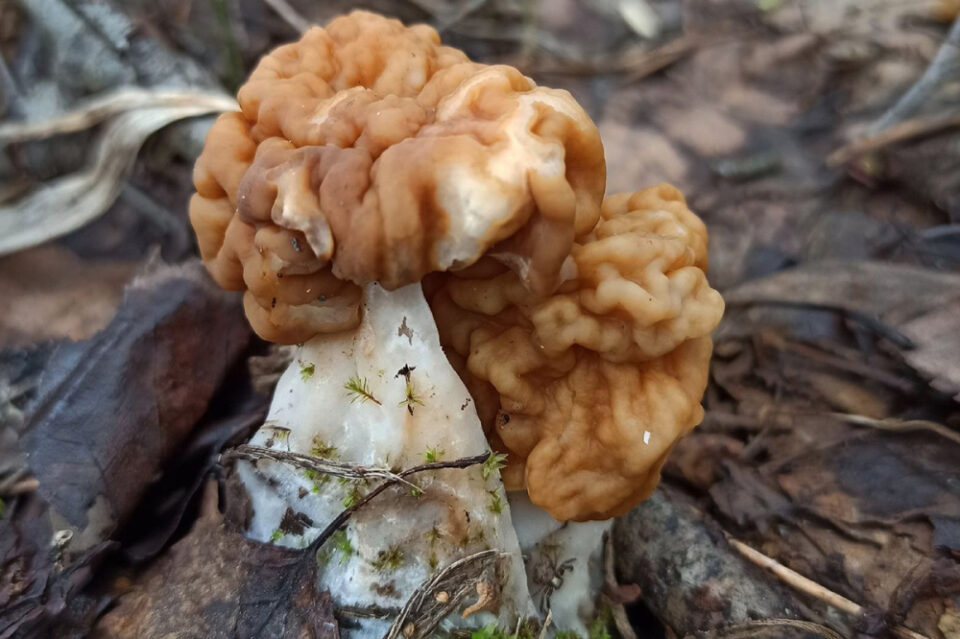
(369, 152)
(590, 388)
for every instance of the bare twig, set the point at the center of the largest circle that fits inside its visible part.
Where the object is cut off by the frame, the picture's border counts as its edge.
(290, 15)
(900, 132)
(809, 587)
(341, 519)
(424, 610)
(24, 487)
(309, 462)
(892, 127)
(338, 469)
(13, 479)
(944, 65)
(720, 421)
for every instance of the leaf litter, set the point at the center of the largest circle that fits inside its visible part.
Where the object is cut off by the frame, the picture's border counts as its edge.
(829, 443)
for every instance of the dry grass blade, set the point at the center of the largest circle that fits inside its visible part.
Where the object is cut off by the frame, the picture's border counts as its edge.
(290, 15)
(109, 105)
(72, 201)
(900, 425)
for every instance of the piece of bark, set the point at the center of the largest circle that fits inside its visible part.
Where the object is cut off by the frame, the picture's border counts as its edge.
(215, 584)
(691, 578)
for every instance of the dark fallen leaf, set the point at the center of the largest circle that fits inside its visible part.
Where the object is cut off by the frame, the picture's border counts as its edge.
(36, 582)
(698, 459)
(112, 410)
(215, 584)
(919, 304)
(166, 503)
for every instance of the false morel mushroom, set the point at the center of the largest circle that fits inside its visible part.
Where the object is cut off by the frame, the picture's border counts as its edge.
(433, 232)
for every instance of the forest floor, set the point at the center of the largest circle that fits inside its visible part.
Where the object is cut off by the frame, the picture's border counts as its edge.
(820, 142)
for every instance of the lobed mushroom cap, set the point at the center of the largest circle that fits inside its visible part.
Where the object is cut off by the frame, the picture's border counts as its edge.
(591, 387)
(366, 152)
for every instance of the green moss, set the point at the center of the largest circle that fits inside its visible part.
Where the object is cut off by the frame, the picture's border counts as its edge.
(492, 465)
(389, 559)
(411, 399)
(306, 371)
(338, 544)
(317, 479)
(320, 448)
(355, 495)
(433, 454)
(359, 390)
(496, 502)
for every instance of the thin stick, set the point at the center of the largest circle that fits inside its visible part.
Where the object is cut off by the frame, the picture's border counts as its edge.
(617, 610)
(342, 518)
(901, 132)
(338, 469)
(809, 587)
(948, 56)
(308, 462)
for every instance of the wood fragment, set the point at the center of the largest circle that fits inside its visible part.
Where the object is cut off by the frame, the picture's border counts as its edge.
(691, 578)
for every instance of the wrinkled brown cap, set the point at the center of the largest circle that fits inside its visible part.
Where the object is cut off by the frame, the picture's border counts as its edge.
(369, 152)
(591, 387)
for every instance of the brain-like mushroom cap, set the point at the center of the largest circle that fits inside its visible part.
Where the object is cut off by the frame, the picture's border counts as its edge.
(591, 387)
(369, 152)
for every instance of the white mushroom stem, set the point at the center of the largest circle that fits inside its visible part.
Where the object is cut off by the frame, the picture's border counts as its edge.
(384, 395)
